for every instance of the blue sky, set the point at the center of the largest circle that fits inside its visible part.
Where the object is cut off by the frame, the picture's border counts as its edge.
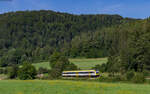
(125, 8)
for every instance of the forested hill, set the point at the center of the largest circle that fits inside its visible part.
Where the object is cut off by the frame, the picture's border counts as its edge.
(35, 35)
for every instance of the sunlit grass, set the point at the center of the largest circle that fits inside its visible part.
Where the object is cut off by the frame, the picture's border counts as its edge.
(88, 63)
(81, 63)
(42, 64)
(70, 87)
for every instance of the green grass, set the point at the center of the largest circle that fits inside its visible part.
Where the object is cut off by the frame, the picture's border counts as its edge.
(81, 63)
(42, 64)
(88, 63)
(69, 87)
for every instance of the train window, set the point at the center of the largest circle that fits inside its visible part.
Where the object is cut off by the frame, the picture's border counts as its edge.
(97, 71)
(70, 73)
(92, 72)
(78, 72)
(85, 72)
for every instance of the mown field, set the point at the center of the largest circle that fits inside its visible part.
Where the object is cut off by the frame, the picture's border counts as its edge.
(81, 63)
(42, 64)
(88, 63)
(69, 87)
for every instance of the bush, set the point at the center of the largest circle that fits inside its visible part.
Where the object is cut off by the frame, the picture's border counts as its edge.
(130, 75)
(3, 61)
(70, 66)
(138, 78)
(111, 75)
(42, 70)
(1, 71)
(146, 73)
(12, 72)
(110, 79)
(54, 74)
(54, 58)
(101, 68)
(27, 71)
(58, 64)
(6, 69)
(102, 79)
(56, 71)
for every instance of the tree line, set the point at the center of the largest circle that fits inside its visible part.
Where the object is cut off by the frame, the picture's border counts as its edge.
(58, 63)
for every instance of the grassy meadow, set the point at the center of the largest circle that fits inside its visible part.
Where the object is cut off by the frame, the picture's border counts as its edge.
(42, 64)
(81, 63)
(69, 87)
(88, 63)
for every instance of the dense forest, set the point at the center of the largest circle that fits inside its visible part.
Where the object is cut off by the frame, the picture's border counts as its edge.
(33, 36)
(130, 48)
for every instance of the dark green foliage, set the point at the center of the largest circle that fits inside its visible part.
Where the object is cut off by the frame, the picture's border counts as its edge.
(130, 48)
(135, 77)
(56, 70)
(42, 70)
(5, 70)
(12, 57)
(27, 71)
(59, 59)
(109, 79)
(130, 75)
(54, 58)
(1, 71)
(138, 78)
(33, 36)
(3, 62)
(12, 72)
(71, 66)
(129, 51)
(59, 63)
(101, 68)
(146, 73)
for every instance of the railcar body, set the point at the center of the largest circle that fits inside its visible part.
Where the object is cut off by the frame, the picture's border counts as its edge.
(81, 73)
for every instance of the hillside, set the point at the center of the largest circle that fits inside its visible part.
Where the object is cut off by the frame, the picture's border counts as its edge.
(32, 36)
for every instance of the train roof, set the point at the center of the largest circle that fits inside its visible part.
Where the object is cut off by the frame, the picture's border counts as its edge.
(80, 71)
